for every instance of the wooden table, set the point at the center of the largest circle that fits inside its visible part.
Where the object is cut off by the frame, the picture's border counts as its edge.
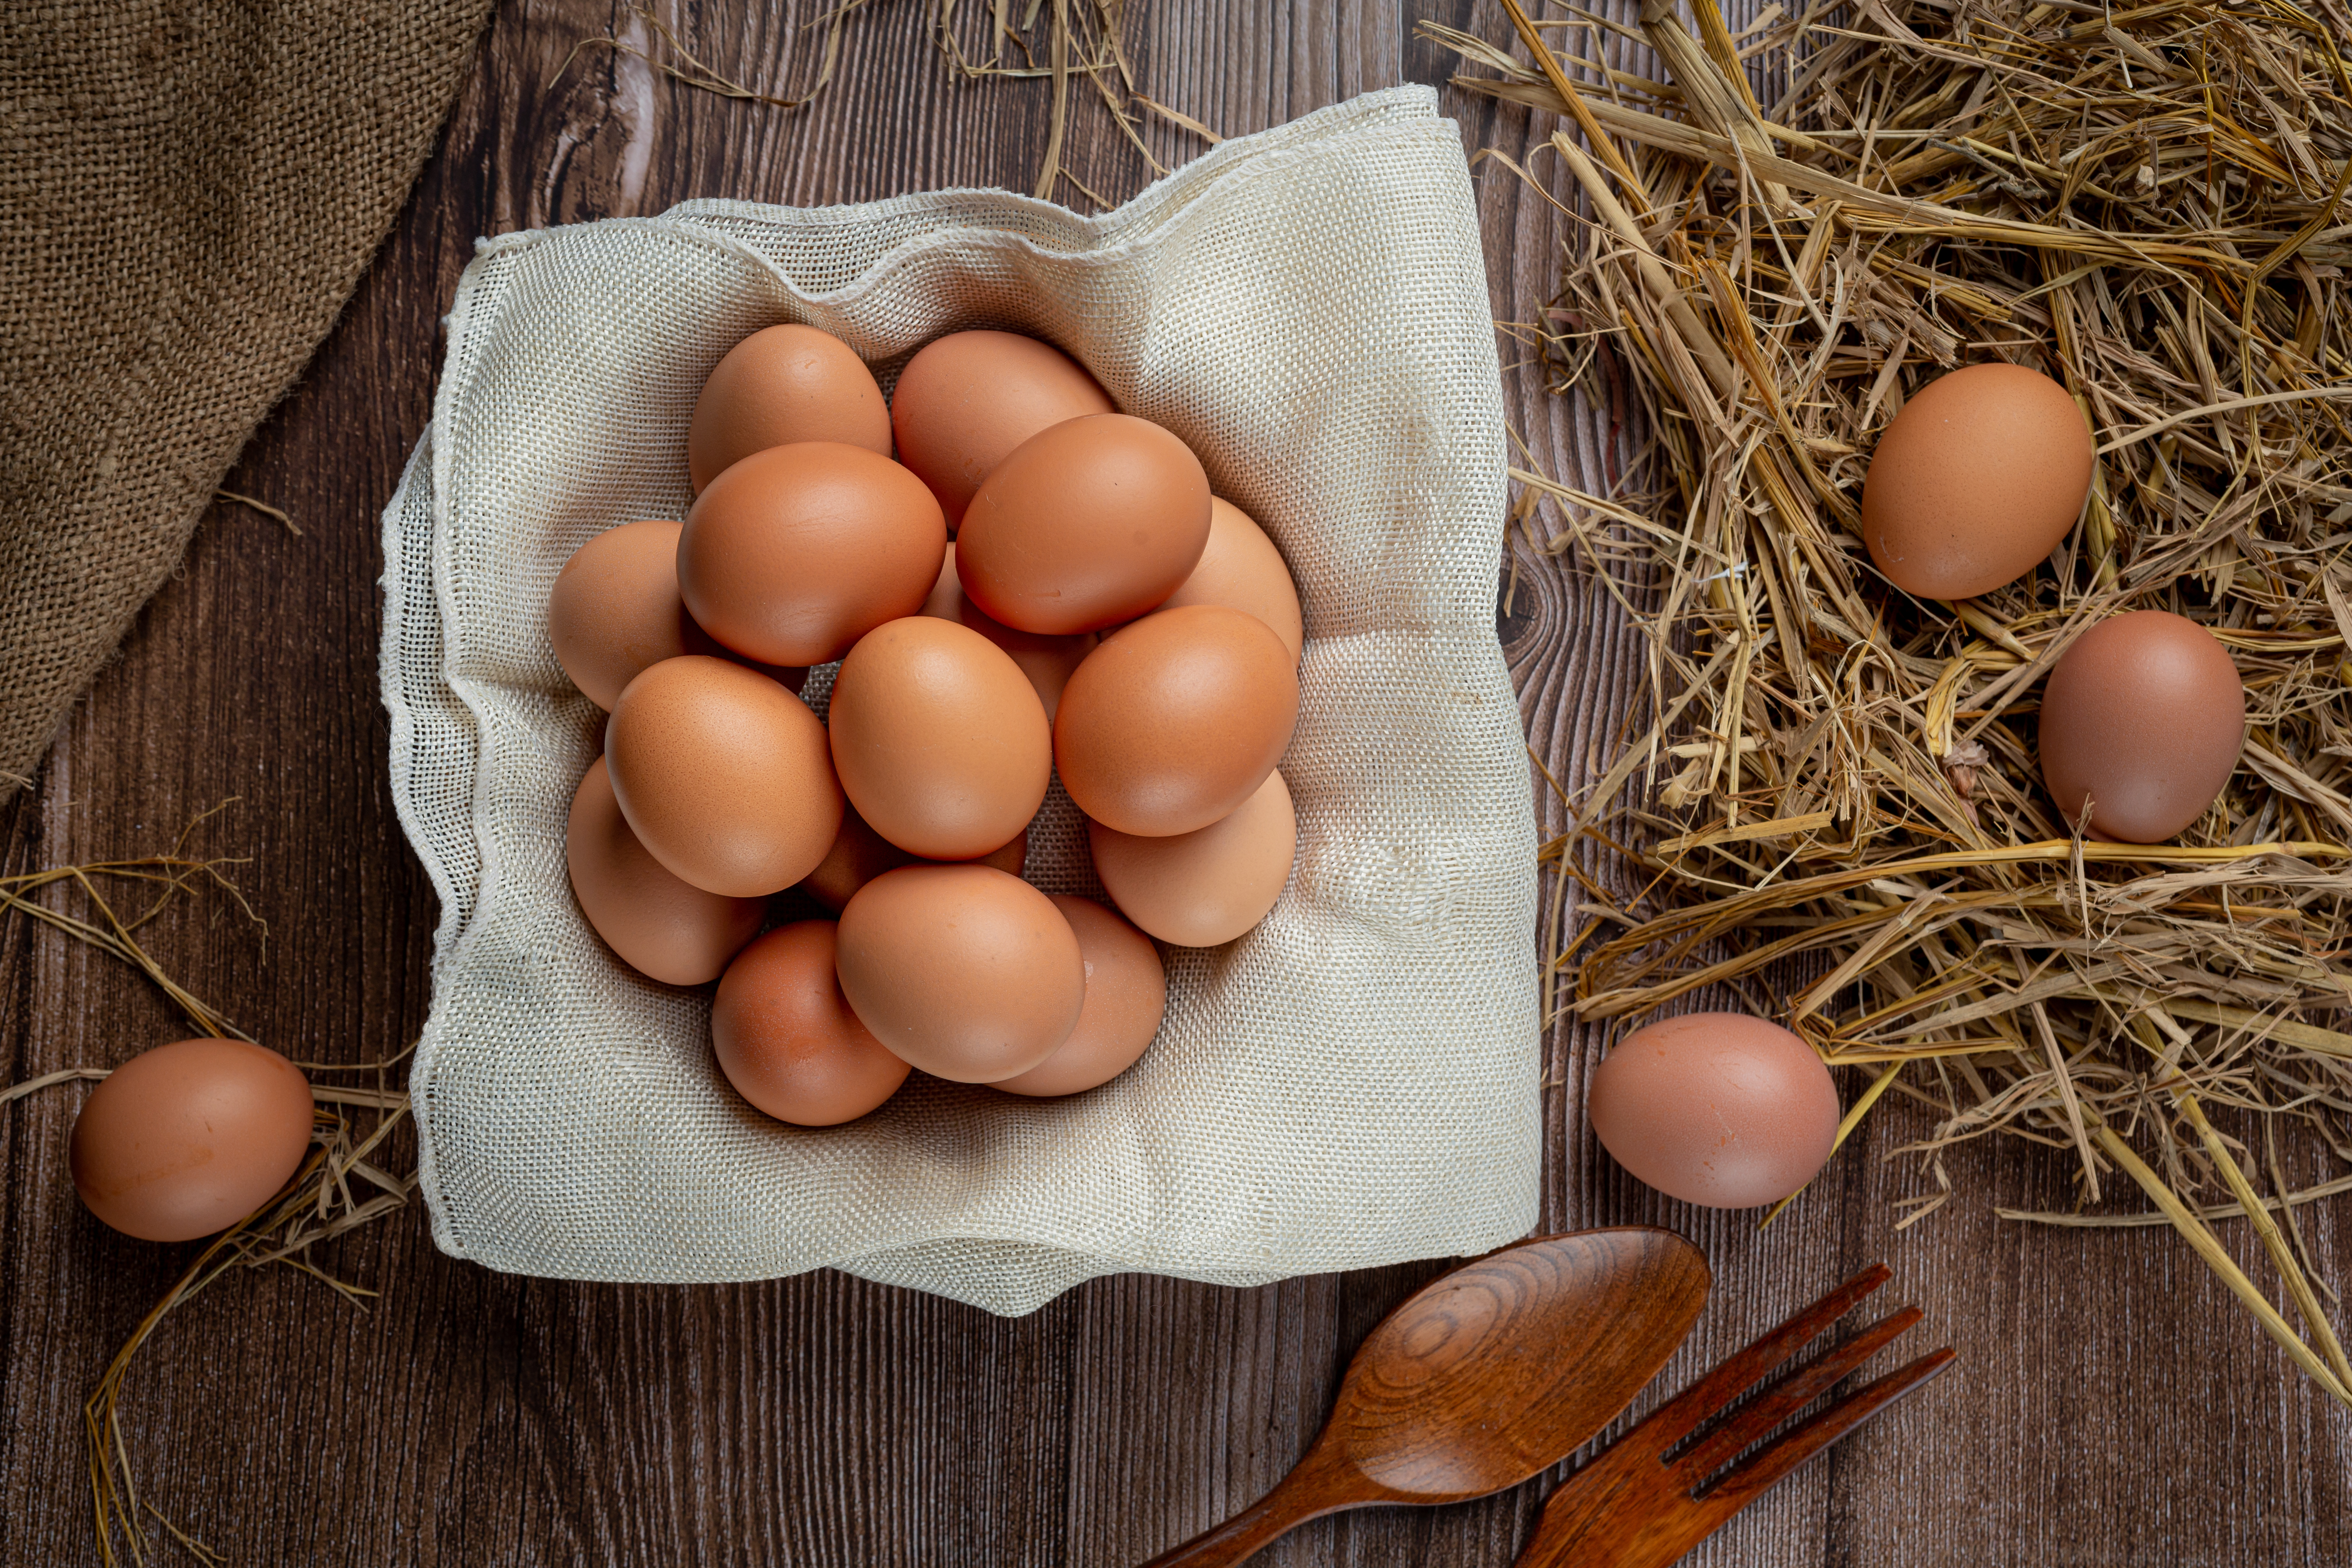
(2111, 1407)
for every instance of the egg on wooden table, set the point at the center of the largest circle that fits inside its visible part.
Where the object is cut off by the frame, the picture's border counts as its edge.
(781, 385)
(187, 1139)
(1207, 887)
(664, 928)
(1126, 998)
(968, 399)
(1086, 525)
(1974, 481)
(1176, 720)
(723, 775)
(2144, 717)
(1715, 1108)
(793, 553)
(966, 972)
(787, 1038)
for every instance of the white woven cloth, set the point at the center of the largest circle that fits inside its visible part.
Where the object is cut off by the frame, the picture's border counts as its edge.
(1352, 1083)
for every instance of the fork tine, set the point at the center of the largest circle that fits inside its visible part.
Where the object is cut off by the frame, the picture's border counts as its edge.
(1753, 1421)
(1683, 1415)
(1744, 1485)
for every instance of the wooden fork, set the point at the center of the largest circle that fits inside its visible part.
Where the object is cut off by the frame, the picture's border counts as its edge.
(1662, 1488)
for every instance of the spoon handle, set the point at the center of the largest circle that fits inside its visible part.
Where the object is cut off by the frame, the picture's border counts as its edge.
(1308, 1492)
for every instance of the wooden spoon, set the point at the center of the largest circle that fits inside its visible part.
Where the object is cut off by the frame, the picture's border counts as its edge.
(1493, 1374)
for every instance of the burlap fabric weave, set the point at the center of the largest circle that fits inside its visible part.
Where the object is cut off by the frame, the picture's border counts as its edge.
(1352, 1083)
(188, 192)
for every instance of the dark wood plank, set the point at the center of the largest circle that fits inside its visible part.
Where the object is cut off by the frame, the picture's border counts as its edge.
(2111, 1407)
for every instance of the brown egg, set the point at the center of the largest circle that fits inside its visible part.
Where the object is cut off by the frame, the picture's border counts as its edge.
(1127, 994)
(1086, 525)
(859, 854)
(969, 398)
(1974, 481)
(1047, 662)
(1207, 887)
(1242, 570)
(723, 775)
(189, 1138)
(664, 928)
(939, 739)
(1176, 720)
(963, 970)
(781, 385)
(2144, 715)
(786, 1038)
(796, 552)
(1715, 1108)
(614, 609)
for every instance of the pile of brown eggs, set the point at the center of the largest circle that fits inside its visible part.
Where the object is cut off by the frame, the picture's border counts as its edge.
(1097, 611)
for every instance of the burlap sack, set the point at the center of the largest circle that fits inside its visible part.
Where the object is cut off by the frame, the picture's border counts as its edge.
(187, 196)
(1353, 1083)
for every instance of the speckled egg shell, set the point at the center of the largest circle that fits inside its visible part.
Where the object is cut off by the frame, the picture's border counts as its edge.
(1976, 481)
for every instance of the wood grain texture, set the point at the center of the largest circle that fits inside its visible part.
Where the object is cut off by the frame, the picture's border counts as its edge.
(2111, 1407)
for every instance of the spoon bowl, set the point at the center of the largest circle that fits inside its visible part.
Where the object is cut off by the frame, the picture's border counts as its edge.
(1487, 1378)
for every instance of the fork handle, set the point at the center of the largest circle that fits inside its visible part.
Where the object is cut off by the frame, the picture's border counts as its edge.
(1305, 1493)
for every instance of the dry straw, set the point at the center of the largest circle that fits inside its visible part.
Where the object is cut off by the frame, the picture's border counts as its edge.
(1832, 786)
(1066, 42)
(344, 1184)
